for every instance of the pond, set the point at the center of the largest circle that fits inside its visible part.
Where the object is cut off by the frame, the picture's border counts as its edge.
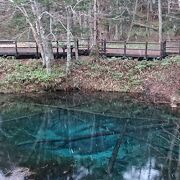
(87, 136)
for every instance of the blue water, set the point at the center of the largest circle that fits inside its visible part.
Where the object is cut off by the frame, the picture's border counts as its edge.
(78, 136)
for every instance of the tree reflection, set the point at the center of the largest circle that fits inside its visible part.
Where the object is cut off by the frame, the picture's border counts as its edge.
(146, 172)
(92, 144)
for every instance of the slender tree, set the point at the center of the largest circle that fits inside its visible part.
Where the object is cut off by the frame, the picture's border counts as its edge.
(68, 11)
(40, 28)
(160, 20)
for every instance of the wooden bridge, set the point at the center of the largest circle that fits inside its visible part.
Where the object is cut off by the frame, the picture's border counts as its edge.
(140, 50)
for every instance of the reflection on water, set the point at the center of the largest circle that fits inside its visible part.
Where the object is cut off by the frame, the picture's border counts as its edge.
(126, 141)
(148, 171)
(15, 174)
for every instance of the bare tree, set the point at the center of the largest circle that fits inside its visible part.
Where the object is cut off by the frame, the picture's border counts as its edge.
(68, 10)
(133, 19)
(40, 31)
(95, 38)
(160, 20)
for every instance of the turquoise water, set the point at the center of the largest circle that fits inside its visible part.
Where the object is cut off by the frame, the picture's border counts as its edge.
(74, 136)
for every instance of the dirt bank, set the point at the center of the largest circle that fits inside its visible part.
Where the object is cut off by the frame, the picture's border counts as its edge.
(157, 79)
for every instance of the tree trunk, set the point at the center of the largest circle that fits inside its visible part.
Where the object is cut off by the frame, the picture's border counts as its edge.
(116, 36)
(90, 21)
(68, 64)
(44, 43)
(49, 56)
(95, 47)
(147, 20)
(169, 6)
(132, 22)
(95, 33)
(40, 44)
(75, 37)
(76, 47)
(160, 21)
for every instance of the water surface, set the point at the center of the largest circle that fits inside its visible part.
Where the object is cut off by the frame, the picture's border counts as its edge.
(79, 136)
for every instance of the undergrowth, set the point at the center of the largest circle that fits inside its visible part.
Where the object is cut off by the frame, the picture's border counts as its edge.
(106, 75)
(19, 73)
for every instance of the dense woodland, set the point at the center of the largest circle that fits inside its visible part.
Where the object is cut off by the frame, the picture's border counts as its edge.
(48, 20)
(116, 19)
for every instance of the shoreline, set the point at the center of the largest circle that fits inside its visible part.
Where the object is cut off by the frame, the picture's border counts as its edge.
(156, 80)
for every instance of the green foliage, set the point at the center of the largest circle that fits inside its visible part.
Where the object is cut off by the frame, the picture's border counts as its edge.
(176, 59)
(143, 65)
(117, 75)
(81, 63)
(20, 74)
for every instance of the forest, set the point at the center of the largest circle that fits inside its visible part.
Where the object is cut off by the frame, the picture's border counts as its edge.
(47, 20)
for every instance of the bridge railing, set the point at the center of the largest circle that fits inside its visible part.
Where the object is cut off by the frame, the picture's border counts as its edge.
(173, 47)
(139, 49)
(109, 48)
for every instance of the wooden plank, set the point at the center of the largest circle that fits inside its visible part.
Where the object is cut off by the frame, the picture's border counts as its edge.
(141, 43)
(88, 44)
(146, 50)
(125, 48)
(77, 46)
(25, 47)
(105, 46)
(7, 42)
(57, 47)
(164, 49)
(161, 50)
(37, 51)
(115, 42)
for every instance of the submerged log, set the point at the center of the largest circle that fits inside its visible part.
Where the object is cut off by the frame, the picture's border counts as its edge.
(108, 132)
(66, 141)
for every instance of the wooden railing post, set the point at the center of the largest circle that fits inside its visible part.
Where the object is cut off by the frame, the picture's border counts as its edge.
(161, 50)
(64, 51)
(146, 50)
(77, 42)
(57, 49)
(72, 49)
(125, 48)
(105, 46)
(102, 46)
(37, 51)
(164, 49)
(16, 48)
(88, 43)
